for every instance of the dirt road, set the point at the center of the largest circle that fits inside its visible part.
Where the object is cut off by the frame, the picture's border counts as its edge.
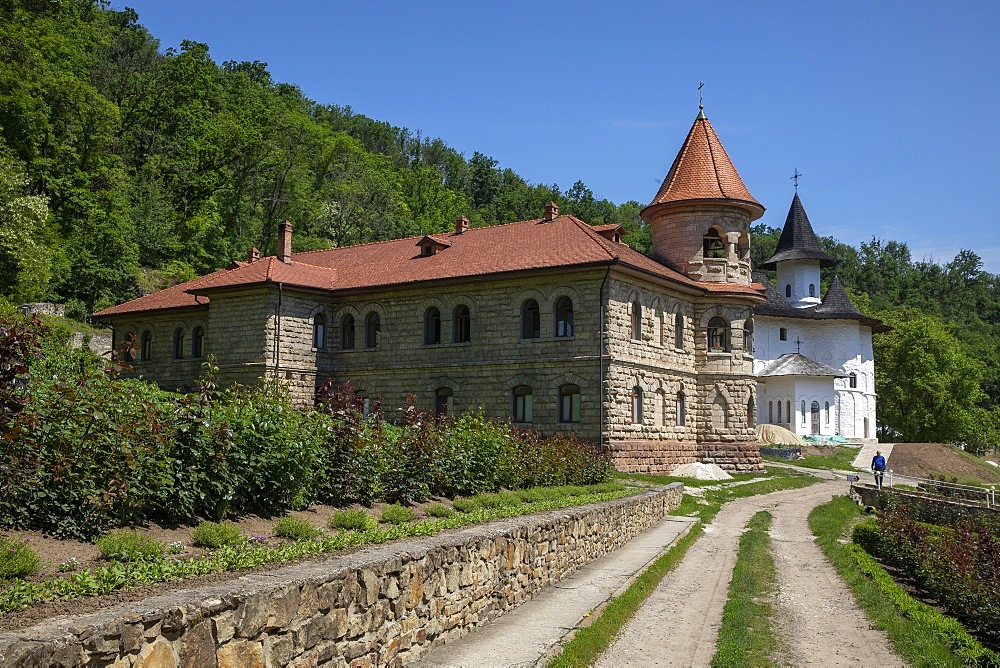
(678, 624)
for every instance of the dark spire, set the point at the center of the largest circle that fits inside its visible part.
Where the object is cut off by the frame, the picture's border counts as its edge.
(837, 304)
(798, 241)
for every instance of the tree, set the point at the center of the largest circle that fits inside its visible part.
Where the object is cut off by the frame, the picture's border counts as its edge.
(929, 389)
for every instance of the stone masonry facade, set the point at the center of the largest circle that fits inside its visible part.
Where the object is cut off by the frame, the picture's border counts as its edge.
(383, 606)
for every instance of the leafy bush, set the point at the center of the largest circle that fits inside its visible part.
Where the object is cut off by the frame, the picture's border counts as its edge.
(439, 510)
(397, 514)
(296, 529)
(18, 558)
(352, 520)
(122, 545)
(217, 534)
(465, 505)
(498, 500)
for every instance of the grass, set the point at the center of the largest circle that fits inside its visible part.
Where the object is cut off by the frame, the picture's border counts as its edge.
(354, 519)
(746, 637)
(591, 641)
(920, 634)
(217, 534)
(836, 458)
(129, 546)
(296, 528)
(708, 506)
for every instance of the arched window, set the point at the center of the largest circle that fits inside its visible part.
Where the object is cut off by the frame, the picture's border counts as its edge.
(748, 335)
(751, 410)
(814, 416)
(826, 407)
(531, 320)
(680, 409)
(637, 405)
(660, 409)
(146, 346)
(770, 411)
(679, 331)
(443, 398)
(373, 329)
(783, 334)
(720, 412)
(128, 344)
(853, 378)
(197, 343)
(802, 412)
(788, 410)
(636, 321)
(564, 317)
(463, 325)
(713, 246)
(812, 289)
(178, 344)
(347, 332)
(779, 412)
(788, 290)
(521, 404)
(432, 326)
(319, 331)
(717, 339)
(569, 403)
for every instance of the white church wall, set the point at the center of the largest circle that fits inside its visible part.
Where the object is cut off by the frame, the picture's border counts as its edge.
(803, 278)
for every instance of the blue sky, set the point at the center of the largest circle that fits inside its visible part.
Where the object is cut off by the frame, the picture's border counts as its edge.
(890, 110)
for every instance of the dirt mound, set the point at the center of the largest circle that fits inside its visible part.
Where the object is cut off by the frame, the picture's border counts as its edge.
(772, 434)
(922, 460)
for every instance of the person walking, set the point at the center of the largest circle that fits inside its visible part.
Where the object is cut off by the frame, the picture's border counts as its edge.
(878, 468)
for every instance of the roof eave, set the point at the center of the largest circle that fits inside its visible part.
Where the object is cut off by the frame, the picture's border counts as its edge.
(755, 209)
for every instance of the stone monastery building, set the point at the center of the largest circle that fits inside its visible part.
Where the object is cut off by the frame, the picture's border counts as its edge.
(551, 323)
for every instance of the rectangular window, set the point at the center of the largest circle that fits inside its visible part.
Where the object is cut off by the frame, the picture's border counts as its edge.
(522, 408)
(569, 404)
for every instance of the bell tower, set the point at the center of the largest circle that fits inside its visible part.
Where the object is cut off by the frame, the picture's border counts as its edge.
(701, 216)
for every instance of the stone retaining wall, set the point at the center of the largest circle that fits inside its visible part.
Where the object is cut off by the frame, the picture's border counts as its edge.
(662, 457)
(382, 606)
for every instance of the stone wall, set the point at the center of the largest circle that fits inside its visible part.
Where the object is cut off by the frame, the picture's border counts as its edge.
(385, 605)
(662, 457)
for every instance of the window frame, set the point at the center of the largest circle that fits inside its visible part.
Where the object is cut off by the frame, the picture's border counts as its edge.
(373, 334)
(462, 325)
(852, 381)
(432, 326)
(679, 331)
(569, 404)
(680, 409)
(319, 332)
(531, 320)
(636, 321)
(718, 335)
(713, 245)
(443, 398)
(178, 353)
(198, 342)
(348, 330)
(636, 404)
(564, 318)
(522, 404)
(782, 333)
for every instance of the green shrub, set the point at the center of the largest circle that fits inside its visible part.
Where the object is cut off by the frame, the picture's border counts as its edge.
(122, 545)
(397, 514)
(352, 520)
(296, 529)
(498, 500)
(439, 510)
(18, 558)
(465, 504)
(865, 535)
(218, 534)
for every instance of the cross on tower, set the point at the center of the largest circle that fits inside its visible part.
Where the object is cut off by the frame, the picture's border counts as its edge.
(798, 345)
(795, 179)
(701, 102)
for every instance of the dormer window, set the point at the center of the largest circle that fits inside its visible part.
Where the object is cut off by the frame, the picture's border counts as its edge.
(431, 246)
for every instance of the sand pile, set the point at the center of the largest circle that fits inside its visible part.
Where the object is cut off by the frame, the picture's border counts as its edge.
(772, 434)
(700, 471)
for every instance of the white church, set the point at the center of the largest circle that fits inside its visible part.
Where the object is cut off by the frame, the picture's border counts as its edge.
(812, 355)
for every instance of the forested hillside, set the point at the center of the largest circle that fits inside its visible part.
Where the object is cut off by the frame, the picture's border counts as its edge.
(124, 167)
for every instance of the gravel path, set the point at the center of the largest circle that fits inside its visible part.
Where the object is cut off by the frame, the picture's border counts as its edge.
(679, 623)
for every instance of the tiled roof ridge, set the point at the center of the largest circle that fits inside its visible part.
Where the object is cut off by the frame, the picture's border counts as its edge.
(715, 163)
(589, 231)
(417, 237)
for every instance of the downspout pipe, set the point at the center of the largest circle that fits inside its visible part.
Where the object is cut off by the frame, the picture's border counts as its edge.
(277, 335)
(600, 350)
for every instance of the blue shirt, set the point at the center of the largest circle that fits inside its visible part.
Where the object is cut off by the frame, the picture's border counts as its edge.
(878, 463)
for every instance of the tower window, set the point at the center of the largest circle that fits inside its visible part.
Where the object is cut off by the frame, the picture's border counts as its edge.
(713, 246)
(853, 378)
(812, 290)
(717, 339)
(783, 334)
(788, 290)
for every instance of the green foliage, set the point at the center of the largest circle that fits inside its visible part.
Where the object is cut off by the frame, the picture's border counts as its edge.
(352, 520)
(397, 514)
(129, 546)
(296, 529)
(18, 558)
(746, 636)
(465, 505)
(918, 632)
(439, 510)
(217, 534)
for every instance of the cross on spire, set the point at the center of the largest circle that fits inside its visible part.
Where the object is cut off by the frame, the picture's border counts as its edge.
(798, 345)
(795, 178)
(701, 102)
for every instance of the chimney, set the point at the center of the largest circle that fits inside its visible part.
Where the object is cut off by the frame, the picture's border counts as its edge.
(551, 211)
(253, 255)
(461, 225)
(285, 242)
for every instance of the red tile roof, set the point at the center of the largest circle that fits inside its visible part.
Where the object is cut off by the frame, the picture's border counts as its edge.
(702, 170)
(527, 245)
